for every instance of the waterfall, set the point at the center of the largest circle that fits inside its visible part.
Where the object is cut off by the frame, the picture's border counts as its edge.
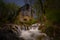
(32, 33)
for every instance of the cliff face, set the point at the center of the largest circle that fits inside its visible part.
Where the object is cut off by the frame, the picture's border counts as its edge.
(25, 13)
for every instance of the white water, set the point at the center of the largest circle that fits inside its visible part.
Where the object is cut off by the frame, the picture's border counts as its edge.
(32, 33)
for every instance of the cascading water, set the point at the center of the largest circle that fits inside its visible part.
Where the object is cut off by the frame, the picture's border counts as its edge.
(32, 33)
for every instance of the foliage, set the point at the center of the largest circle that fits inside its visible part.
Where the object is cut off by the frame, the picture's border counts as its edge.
(53, 15)
(7, 12)
(32, 21)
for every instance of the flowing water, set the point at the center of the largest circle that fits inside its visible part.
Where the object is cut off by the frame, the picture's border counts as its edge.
(32, 32)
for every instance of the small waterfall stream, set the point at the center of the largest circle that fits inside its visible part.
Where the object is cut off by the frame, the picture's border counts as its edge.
(32, 33)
